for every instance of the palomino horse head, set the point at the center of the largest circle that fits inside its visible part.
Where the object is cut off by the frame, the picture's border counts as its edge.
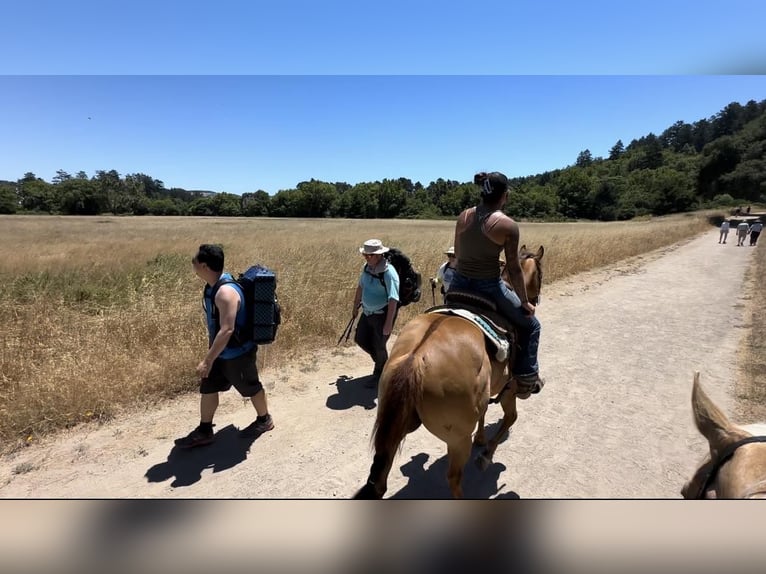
(736, 466)
(531, 269)
(439, 374)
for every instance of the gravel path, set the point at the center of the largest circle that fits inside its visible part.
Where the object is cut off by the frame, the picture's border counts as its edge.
(618, 349)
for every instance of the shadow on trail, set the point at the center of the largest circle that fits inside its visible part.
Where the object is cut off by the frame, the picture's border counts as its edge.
(352, 392)
(431, 482)
(187, 464)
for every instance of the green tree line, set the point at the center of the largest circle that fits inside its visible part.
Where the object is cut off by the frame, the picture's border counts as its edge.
(720, 160)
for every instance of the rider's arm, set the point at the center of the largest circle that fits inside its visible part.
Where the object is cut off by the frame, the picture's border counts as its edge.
(462, 223)
(512, 264)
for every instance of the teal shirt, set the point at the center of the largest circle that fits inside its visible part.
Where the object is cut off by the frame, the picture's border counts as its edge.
(375, 296)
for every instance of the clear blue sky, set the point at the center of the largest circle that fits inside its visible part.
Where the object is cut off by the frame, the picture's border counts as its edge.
(235, 96)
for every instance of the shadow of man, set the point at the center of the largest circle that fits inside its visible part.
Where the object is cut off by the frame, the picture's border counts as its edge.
(186, 465)
(432, 482)
(352, 392)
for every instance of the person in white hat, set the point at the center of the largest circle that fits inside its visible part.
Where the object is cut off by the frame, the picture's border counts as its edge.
(377, 292)
(445, 273)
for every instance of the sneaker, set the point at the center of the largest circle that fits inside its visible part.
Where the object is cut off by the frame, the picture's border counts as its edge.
(529, 384)
(194, 438)
(257, 428)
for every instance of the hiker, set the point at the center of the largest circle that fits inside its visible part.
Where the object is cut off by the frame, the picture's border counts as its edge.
(742, 230)
(378, 293)
(445, 273)
(226, 362)
(755, 232)
(724, 231)
(481, 234)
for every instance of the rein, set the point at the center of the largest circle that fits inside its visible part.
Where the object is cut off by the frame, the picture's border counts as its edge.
(723, 457)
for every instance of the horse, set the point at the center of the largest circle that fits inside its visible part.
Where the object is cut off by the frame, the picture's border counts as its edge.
(441, 375)
(736, 465)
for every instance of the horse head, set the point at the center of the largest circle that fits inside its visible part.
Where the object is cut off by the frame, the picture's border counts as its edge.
(736, 466)
(531, 269)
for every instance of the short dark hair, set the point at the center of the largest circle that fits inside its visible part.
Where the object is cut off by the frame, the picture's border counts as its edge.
(493, 185)
(210, 255)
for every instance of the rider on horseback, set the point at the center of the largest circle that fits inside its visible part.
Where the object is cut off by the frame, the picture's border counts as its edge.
(481, 233)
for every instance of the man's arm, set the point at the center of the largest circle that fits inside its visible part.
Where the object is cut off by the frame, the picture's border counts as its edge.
(227, 302)
(357, 301)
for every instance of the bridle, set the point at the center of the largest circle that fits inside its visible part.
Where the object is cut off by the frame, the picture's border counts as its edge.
(723, 457)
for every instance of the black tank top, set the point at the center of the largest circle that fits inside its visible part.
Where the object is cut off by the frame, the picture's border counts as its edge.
(478, 254)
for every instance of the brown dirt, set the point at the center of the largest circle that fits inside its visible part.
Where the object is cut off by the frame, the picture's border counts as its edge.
(619, 346)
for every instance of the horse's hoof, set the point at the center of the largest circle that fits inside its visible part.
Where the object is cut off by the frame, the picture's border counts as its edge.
(482, 462)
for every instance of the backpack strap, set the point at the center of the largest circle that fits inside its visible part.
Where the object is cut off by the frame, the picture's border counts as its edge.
(213, 292)
(379, 277)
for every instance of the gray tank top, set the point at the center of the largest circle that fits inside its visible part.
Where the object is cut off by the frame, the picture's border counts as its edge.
(479, 255)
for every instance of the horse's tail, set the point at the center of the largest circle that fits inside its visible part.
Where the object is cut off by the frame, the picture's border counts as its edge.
(397, 407)
(397, 415)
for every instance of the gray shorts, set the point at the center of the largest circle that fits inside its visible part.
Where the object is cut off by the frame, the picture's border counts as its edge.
(241, 372)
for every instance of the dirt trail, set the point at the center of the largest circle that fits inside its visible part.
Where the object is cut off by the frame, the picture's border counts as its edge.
(618, 349)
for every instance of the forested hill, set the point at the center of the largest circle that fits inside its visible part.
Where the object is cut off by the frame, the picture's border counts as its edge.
(716, 161)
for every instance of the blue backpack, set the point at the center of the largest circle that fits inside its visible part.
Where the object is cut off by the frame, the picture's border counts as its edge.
(263, 315)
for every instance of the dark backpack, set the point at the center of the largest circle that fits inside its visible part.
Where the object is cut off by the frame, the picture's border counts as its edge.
(263, 315)
(409, 279)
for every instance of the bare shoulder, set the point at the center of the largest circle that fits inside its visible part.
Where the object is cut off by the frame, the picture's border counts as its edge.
(466, 214)
(227, 293)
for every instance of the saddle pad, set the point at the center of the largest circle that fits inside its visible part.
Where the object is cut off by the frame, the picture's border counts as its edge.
(500, 343)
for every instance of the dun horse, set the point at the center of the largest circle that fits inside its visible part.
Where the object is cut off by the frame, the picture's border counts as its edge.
(736, 465)
(439, 373)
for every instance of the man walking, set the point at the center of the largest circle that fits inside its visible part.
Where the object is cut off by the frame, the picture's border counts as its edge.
(229, 360)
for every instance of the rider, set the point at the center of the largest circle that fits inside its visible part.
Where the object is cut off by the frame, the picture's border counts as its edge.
(445, 272)
(481, 233)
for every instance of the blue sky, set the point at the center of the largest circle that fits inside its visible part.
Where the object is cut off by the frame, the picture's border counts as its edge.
(243, 133)
(235, 96)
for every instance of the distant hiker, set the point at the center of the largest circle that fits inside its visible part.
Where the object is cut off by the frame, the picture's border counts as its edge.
(445, 273)
(378, 294)
(224, 365)
(724, 231)
(742, 230)
(755, 232)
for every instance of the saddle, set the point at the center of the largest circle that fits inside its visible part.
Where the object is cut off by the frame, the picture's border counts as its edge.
(493, 324)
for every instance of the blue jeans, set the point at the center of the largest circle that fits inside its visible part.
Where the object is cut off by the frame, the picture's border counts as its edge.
(509, 305)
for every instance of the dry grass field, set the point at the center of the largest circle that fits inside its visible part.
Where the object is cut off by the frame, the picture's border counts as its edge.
(104, 313)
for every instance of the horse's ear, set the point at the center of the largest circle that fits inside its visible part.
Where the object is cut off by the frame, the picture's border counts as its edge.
(540, 253)
(710, 420)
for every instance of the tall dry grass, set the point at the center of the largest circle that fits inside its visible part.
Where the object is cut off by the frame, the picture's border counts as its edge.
(104, 313)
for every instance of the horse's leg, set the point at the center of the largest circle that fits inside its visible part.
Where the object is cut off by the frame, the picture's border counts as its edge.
(481, 438)
(510, 414)
(377, 483)
(458, 453)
